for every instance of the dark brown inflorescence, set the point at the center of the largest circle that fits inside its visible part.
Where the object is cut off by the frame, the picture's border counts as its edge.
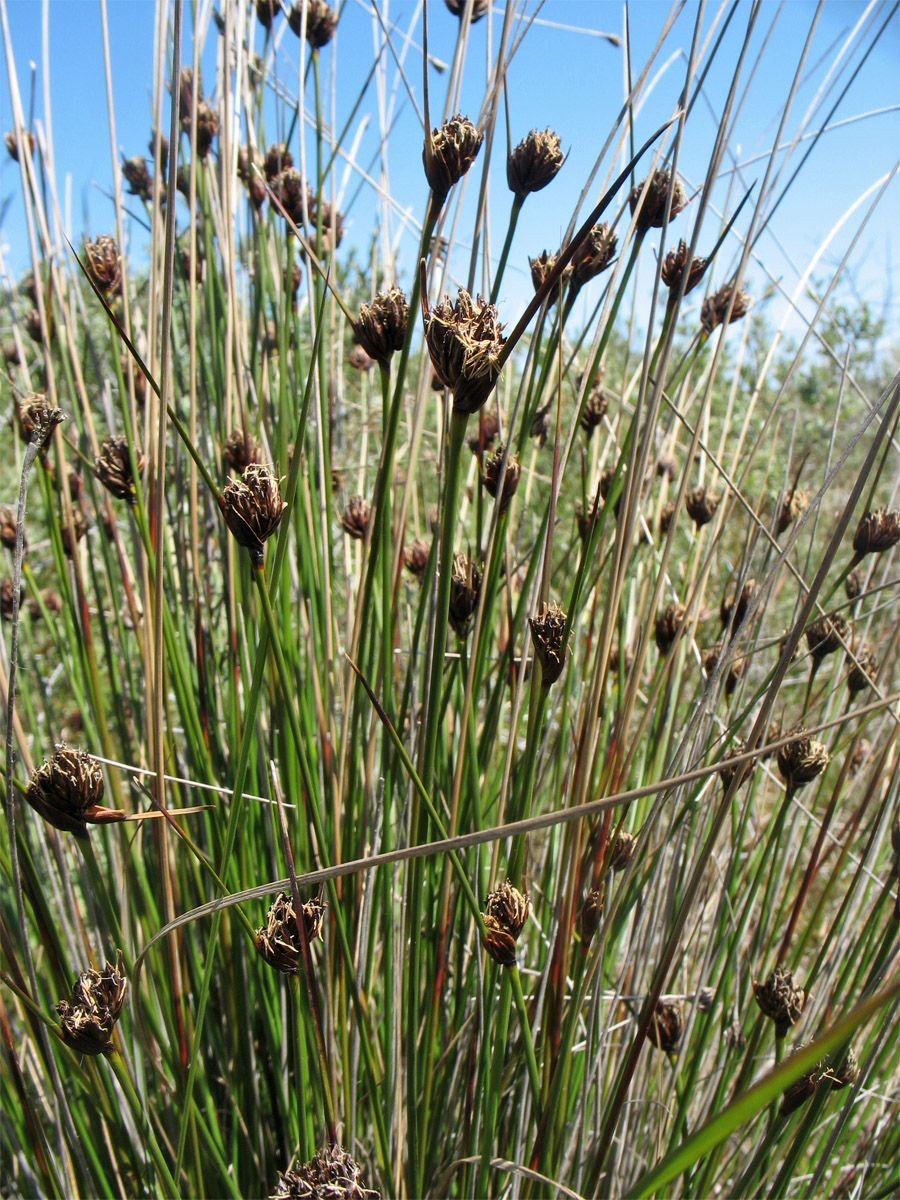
(533, 163)
(278, 941)
(799, 1092)
(113, 468)
(37, 418)
(267, 11)
(591, 915)
(448, 154)
(673, 269)
(138, 177)
(415, 558)
(207, 128)
(252, 507)
(666, 1025)
(240, 450)
(96, 1005)
(622, 851)
(12, 144)
(826, 636)
(794, 504)
(734, 604)
(8, 597)
(491, 478)
(876, 532)
(355, 518)
(863, 671)
(547, 633)
(8, 527)
(506, 910)
(288, 190)
(458, 8)
(715, 307)
(652, 210)
(541, 267)
(730, 770)
(486, 433)
(802, 760)
(701, 506)
(101, 261)
(381, 328)
(595, 405)
(278, 158)
(67, 791)
(780, 1001)
(321, 22)
(331, 1175)
(668, 623)
(465, 583)
(845, 1071)
(593, 255)
(464, 341)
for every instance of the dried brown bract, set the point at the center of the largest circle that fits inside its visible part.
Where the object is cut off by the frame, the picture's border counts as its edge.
(593, 255)
(252, 507)
(101, 261)
(96, 1005)
(794, 504)
(67, 791)
(71, 533)
(138, 178)
(355, 518)
(780, 1000)
(799, 1092)
(113, 468)
(666, 517)
(207, 128)
(278, 941)
(801, 760)
(8, 527)
(464, 341)
(240, 450)
(591, 915)
(622, 851)
(668, 624)
(465, 584)
(652, 208)
(331, 1175)
(381, 328)
(666, 1026)
(541, 267)
(716, 307)
(448, 154)
(701, 506)
(876, 532)
(673, 269)
(289, 191)
(486, 433)
(534, 163)
(495, 484)
(278, 158)
(826, 635)
(863, 671)
(548, 629)
(734, 606)
(595, 405)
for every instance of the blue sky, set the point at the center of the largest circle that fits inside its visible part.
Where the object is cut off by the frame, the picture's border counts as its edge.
(563, 76)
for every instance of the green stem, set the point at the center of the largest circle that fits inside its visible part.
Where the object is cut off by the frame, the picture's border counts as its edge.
(504, 253)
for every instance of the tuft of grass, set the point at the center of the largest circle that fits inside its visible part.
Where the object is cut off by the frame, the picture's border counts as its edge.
(543, 657)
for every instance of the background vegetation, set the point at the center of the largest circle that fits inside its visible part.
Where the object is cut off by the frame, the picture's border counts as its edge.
(688, 986)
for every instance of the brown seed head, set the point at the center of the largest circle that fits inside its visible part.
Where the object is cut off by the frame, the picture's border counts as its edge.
(491, 478)
(876, 532)
(793, 505)
(802, 760)
(593, 255)
(619, 659)
(67, 791)
(534, 163)
(267, 11)
(464, 341)
(278, 941)
(862, 672)
(278, 158)
(673, 268)
(381, 328)
(332, 222)
(101, 261)
(7, 598)
(852, 585)
(623, 850)
(652, 209)
(780, 1001)
(321, 22)
(666, 517)
(499, 942)
(541, 268)
(289, 191)
(666, 467)
(729, 770)
(37, 418)
(331, 1175)
(448, 155)
(358, 359)
(846, 1071)
(715, 307)
(355, 518)
(666, 1026)
(486, 433)
(113, 468)
(252, 507)
(207, 128)
(540, 425)
(591, 915)
(458, 8)
(733, 608)
(415, 558)
(799, 1092)
(595, 406)
(668, 623)
(240, 450)
(826, 636)
(96, 1005)
(510, 907)
(71, 535)
(8, 526)
(584, 520)
(465, 583)
(11, 355)
(547, 633)
(701, 506)
(12, 144)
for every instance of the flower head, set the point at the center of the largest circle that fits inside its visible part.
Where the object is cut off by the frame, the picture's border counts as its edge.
(278, 941)
(448, 154)
(651, 209)
(113, 468)
(715, 307)
(666, 1026)
(506, 910)
(101, 261)
(252, 507)
(802, 760)
(876, 532)
(780, 1000)
(67, 791)
(594, 254)
(321, 22)
(673, 269)
(547, 633)
(534, 163)
(381, 328)
(96, 1004)
(464, 340)
(331, 1175)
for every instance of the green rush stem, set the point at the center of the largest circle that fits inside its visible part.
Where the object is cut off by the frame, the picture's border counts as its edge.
(100, 892)
(537, 705)
(305, 1131)
(504, 253)
(534, 1078)
(458, 422)
(142, 1121)
(500, 1027)
(384, 523)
